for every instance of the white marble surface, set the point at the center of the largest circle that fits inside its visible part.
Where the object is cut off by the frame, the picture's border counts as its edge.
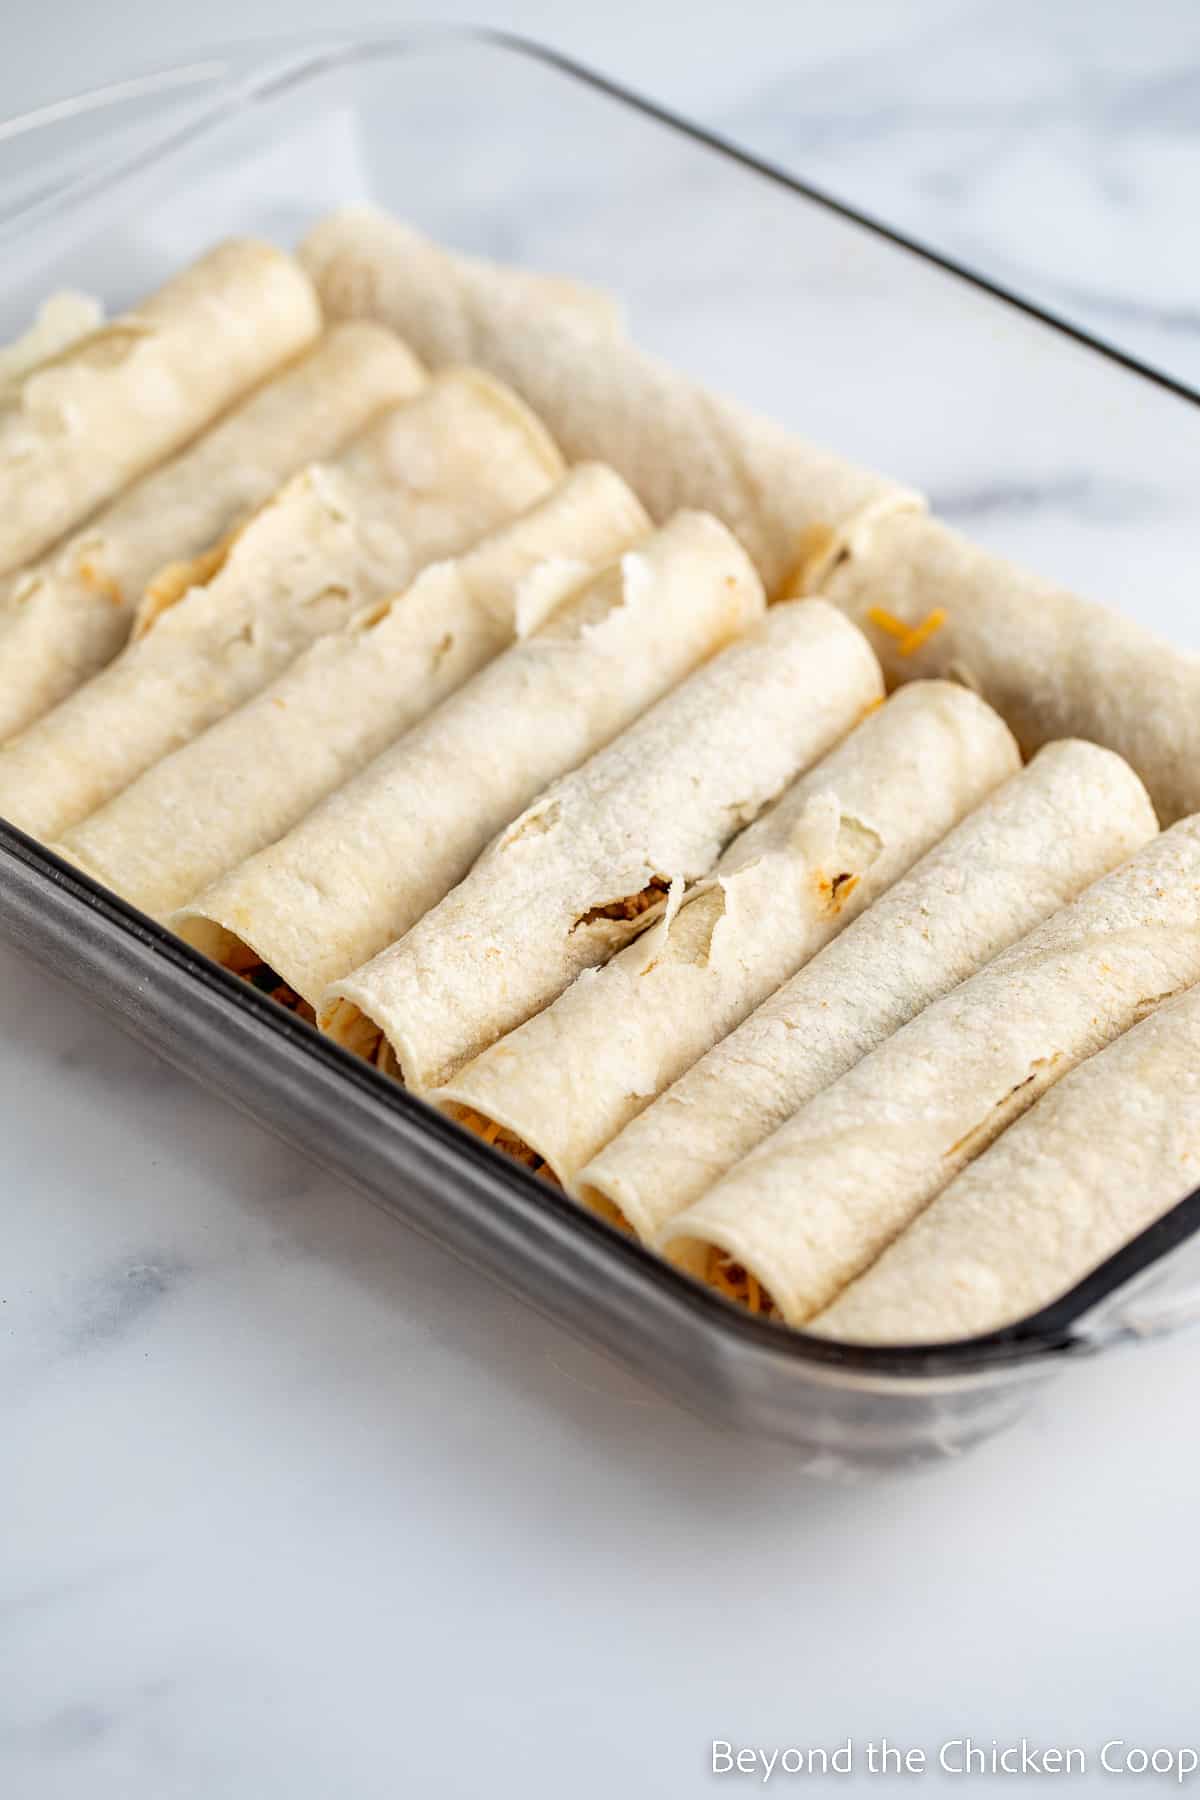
(293, 1507)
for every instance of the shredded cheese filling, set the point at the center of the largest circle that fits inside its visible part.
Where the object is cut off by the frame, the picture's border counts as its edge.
(737, 1283)
(385, 1059)
(839, 888)
(175, 580)
(500, 1138)
(609, 1210)
(909, 638)
(631, 906)
(261, 976)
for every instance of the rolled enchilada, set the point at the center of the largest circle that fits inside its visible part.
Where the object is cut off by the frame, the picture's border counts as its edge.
(250, 777)
(1053, 664)
(1073, 814)
(593, 861)
(74, 429)
(364, 866)
(567, 1080)
(1101, 1156)
(426, 480)
(791, 504)
(65, 617)
(358, 252)
(1056, 666)
(817, 1202)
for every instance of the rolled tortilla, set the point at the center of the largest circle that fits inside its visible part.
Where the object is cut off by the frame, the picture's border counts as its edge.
(591, 862)
(423, 482)
(451, 292)
(1103, 1155)
(1053, 664)
(566, 1081)
(815, 1204)
(250, 777)
(791, 504)
(1038, 841)
(111, 405)
(363, 867)
(62, 319)
(67, 616)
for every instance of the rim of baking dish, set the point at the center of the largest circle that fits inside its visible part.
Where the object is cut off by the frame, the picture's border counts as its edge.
(303, 56)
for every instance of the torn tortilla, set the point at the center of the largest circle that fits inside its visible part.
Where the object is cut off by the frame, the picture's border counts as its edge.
(250, 777)
(365, 865)
(597, 856)
(1072, 815)
(568, 1079)
(426, 480)
(65, 617)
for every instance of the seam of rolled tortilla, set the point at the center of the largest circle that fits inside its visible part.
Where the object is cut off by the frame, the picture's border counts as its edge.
(362, 868)
(1099, 1158)
(250, 777)
(425, 480)
(1072, 815)
(790, 503)
(1054, 664)
(65, 617)
(821, 1198)
(568, 1079)
(81, 425)
(591, 863)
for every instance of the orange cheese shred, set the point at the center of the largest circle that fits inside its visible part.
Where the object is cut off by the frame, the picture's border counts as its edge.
(97, 582)
(909, 638)
(489, 1131)
(921, 634)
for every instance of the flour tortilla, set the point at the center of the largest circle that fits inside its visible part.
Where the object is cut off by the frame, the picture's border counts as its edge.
(363, 867)
(819, 1200)
(66, 616)
(111, 405)
(1075, 813)
(1053, 664)
(62, 319)
(1101, 1156)
(357, 251)
(591, 862)
(567, 1080)
(250, 777)
(792, 505)
(425, 481)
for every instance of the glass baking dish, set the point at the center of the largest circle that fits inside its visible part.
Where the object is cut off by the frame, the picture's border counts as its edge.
(1028, 434)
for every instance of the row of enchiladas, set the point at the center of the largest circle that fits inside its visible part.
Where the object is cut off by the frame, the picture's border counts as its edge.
(393, 630)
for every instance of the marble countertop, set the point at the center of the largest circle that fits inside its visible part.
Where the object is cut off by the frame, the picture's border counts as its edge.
(294, 1507)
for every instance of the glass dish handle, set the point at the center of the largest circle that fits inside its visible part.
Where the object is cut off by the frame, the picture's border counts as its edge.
(59, 152)
(70, 144)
